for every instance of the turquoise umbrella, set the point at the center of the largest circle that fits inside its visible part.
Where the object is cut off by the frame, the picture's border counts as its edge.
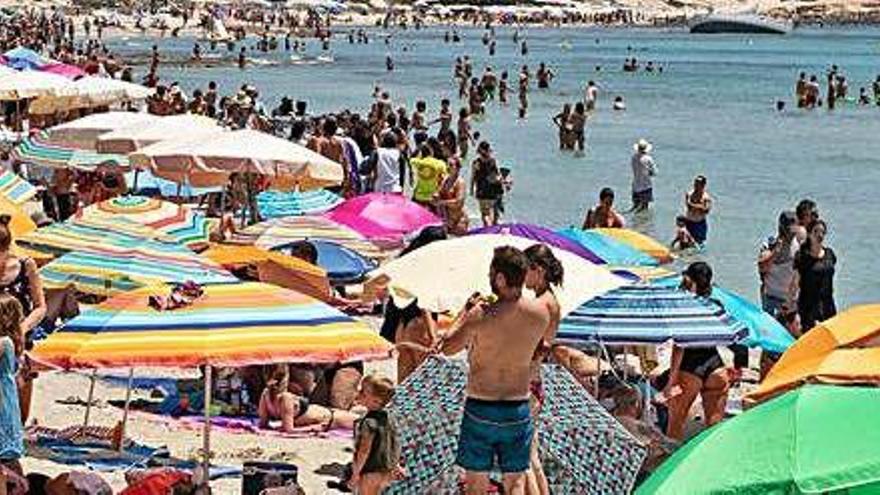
(610, 250)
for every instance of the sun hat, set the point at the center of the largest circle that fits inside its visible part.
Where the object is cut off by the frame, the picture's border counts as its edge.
(643, 146)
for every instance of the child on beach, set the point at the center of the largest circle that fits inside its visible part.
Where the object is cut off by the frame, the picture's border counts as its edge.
(376, 447)
(683, 239)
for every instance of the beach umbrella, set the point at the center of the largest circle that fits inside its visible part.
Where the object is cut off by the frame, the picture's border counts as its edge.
(178, 222)
(608, 249)
(343, 265)
(140, 135)
(64, 70)
(540, 234)
(277, 204)
(83, 133)
(20, 223)
(582, 447)
(649, 314)
(6, 70)
(844, 349)
(89, 92)
(210, 161)
(38, 150)
(642, 242)
(383, 218)
(444, 274)
(89, 234)
(21, 58)
(144, 183)
(15, 189)
(281, 231)
(816, 439)
(106, 272)
(32, 84)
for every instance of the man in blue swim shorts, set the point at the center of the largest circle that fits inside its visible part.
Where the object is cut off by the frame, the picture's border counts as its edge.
(500, 334)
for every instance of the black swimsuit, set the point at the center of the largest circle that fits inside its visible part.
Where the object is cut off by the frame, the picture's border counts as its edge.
(700, 361)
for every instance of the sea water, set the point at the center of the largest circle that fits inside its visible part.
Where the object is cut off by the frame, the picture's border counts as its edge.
(711, 111)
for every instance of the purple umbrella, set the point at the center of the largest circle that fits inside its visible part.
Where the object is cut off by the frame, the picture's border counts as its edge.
(541, 234)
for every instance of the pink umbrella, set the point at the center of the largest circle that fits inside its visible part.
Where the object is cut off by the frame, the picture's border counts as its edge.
(66, 70)
(383, 218)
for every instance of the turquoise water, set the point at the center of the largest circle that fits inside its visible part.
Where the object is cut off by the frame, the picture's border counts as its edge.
(710, 112)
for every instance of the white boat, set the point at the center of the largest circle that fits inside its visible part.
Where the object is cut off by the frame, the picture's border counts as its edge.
(752, 24)
(216, 31)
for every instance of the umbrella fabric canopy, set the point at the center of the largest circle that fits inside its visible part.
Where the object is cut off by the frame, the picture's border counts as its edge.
(277, 204)
(647, 314)
(608, 249)
(583, 449)
(148, 184)
(88, 92)
(178, 222)
(343, 265)
(80, 234)
(32, 84)
(37, 150)
(274, 268)
(82, 133)
(385, 218)
(21, 223)
(15, 189)
(280, 231)
(229, 325)
(21, 58)
(541, 234)
(64, 70)
(103, 272)
(138, 136)
(843, 349)
(641, 242)
(817, 439)
(445, 273)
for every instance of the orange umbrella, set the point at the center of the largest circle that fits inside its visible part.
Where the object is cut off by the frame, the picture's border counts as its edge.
(843, 349)
(21, 223)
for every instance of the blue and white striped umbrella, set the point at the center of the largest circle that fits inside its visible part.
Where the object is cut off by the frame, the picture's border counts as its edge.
(648, 314)
(278, 204)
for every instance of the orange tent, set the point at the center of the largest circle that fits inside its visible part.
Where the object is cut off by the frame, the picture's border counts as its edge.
(843, 349)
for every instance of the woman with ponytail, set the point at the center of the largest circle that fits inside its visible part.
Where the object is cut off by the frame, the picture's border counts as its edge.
(545, 272)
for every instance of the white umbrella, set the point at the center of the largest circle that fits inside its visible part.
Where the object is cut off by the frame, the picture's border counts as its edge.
(444, 274)
(209, 161)
(83, 132)
(31, 84)
(135, 137)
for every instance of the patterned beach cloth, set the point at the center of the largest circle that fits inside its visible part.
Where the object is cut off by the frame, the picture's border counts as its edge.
(583, 448)
(279, 204)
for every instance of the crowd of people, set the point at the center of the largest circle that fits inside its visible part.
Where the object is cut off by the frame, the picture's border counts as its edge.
(808, 92)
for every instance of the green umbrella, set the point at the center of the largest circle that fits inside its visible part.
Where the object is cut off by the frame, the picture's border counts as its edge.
(816, 439)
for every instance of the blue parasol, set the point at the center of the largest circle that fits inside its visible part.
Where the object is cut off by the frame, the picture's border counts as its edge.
(343, 265)
(609, 249)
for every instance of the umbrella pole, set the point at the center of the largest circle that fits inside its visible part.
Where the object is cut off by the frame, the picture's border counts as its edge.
(125, 411)
(206, 431)
(92, 381)
(134, 187)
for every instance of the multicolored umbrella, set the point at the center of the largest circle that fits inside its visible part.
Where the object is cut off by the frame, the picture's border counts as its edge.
(648, 314)
(642, 242)
(178, 222)
(840, 350)
(229, 325)
(607, 248)
(15, 189)
(816, 439)
(20, 223)
(541, 234)
(277, 204)
(80, 234)
(383, 218)
(39, 150)
(583, 448)
(281, 231)
(106, 273)
(343, 265)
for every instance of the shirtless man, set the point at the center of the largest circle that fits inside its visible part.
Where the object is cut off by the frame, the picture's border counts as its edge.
(329, 145)
(501, 338)
(603, 215)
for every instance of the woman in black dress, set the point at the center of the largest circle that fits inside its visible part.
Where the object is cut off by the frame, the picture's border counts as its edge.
(815, 264)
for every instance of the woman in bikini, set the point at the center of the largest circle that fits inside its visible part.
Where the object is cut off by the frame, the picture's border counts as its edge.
(545, 272)
(451, 195)
(295, 412)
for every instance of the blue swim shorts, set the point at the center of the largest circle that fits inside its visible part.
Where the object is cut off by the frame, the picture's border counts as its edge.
(493, 430)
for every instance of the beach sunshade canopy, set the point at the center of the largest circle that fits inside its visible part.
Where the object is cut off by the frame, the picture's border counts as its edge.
(20, 223)
(117, 235)
(229, 325)
(137, 136)
(274, 268)
(210, 161)
(385, 218)
(83, 133)
(844, 349)
(64, 70)
(32, 84)
(15, 189)
(444, 274)
(583, 448)
(105, 273)
(343, 265)
(647, 314)
(281, 231)
(89, 92)
(21, 58)
(38, 150)
(178, 222)
(541, 234)
(816, 439)
(609, 249)
(278, 204)
(642, 242)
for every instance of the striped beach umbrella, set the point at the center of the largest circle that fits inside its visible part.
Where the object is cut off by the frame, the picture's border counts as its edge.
(280, 231)
(15, 189)
(39, 150)
(648, 314)
(178, 222)
(277, 204)
(541, 234)
(229, 325)
(609, 249)
(81, 234)
(20, 223)
(639, 241)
